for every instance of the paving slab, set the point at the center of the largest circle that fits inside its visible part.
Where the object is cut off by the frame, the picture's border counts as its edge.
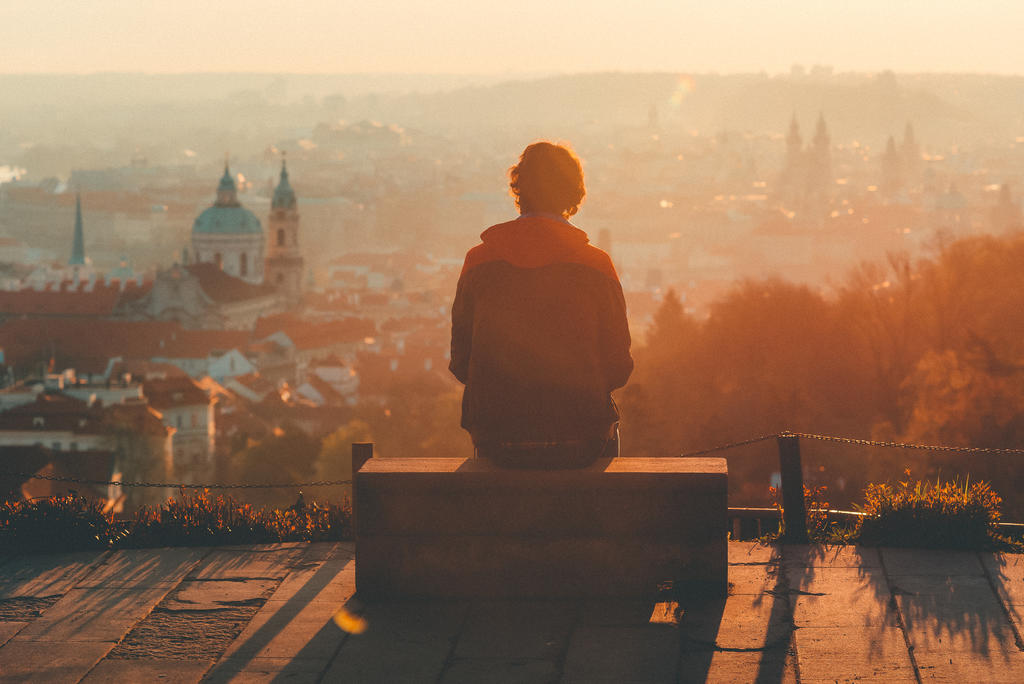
(8, 629)
(258, 561)
(516, 671)
(46, 574)
(622, 654)
(959, 667)
(740, 622)
(514, 629)
(92, 615)
(930, 562)
(753, 552)
(278, 635)
(403, 642)
(266, 670)
(775, 666)
(958, 629)
(136, 568)
(34, 661)
(1007, 574)
(840, 597)
(330, 581)
(830, 556)
(208, 595)
(147, 670)
(753, 579)
(629, 613)
(853, 653)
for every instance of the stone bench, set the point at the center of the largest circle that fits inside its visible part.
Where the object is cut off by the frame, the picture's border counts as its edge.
(460, 528)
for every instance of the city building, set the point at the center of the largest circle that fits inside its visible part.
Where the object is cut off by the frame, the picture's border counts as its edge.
(229, 235)
(284, 261)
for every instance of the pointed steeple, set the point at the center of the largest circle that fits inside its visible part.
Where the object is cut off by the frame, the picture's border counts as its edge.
(821, 138)
(227, 191)
(908, 135)
(284, 196)
(78, 244)
(793, 138)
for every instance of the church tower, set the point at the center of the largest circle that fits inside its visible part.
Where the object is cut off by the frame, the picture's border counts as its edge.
(78, 243)
(284, 261)
(794, 145)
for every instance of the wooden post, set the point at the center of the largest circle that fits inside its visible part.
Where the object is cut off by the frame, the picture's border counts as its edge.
(793, 513)
(361, 453)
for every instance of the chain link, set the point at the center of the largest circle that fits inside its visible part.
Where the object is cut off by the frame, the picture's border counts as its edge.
(904, 445)
(725, 447)
(180, 485)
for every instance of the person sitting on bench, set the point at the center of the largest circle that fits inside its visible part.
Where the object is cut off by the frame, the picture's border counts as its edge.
(539, 330)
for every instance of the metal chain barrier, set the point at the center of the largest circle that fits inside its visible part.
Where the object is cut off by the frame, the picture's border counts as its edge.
(903, 445)
(179, 485)
(725, 447)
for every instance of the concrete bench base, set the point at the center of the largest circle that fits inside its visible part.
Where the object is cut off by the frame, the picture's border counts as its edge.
(456, 528)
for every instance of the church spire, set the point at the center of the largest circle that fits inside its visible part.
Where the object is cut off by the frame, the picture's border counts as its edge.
(227, 191)
(821, 137)
(78, 244)
(284, 195)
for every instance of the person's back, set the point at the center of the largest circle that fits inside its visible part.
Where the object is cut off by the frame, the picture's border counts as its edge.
(539, 333)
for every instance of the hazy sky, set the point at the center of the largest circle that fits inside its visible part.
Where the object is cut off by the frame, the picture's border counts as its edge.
(523, 36)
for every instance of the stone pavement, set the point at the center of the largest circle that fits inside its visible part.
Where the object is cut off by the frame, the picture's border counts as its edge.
(264, 614)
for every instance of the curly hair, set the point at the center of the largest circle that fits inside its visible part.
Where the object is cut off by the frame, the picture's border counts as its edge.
(547, 178)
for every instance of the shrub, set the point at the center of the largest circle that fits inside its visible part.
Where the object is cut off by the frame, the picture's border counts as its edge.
(947, 515)
(75, 523)
(71, 523)
(820, 528)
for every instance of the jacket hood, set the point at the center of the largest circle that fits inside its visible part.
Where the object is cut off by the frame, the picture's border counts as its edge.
(534, 241)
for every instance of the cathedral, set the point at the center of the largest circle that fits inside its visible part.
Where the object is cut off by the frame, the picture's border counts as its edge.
(230, 236)
(233, 273)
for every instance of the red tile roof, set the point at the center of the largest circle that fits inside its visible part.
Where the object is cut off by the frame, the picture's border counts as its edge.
(200, 344)
(82, 343)
(307, 336)
(224, 288)
(55, 412)
(63, 302)
(174, 392)
(268, 325)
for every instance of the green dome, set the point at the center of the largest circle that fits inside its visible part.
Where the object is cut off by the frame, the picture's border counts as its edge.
(227, 221)
(227, 216)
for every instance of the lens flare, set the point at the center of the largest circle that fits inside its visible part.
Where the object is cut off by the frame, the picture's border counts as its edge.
(353, 624)
(684, 86)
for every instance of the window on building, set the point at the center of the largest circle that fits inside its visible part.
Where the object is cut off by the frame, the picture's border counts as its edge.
(73, 446)
(177, 421)
(243, 264)
(280, 237)
(195, 419)
(38, 422)
(280, 278)
(55, 446)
